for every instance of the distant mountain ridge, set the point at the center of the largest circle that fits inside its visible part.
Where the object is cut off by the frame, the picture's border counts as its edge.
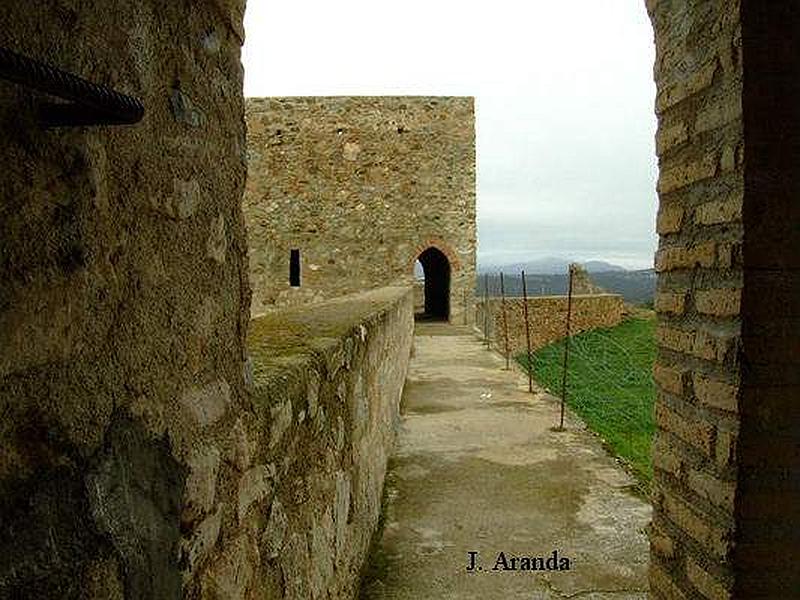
(636, 287)
(549, 266)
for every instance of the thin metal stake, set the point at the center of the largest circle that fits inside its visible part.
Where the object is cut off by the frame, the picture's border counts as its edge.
(527, 332)
(486, 309)
(566, 350)
(505, 319)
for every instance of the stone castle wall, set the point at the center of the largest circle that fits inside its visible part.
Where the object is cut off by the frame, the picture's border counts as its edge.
(547, 316)
(128, 466)
(325, 397)
(361, 186)
(725, 500)
(124, 295)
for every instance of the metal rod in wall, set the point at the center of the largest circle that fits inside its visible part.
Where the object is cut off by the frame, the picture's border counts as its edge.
(527, 332)
(87, 103)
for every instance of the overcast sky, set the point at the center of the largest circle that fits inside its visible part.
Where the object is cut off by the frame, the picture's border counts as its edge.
(564, 99)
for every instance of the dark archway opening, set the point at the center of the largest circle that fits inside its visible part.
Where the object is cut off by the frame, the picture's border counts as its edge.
(436, 271)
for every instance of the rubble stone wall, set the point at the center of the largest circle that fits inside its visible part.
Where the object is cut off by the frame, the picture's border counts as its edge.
(325, 406)
(547, 316)
(361, 186)
(124, 298)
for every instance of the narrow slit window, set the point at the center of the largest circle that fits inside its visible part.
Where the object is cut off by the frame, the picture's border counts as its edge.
(294, 267)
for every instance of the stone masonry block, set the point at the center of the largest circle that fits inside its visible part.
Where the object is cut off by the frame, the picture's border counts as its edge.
(686, 174)
(669, 137)
(697, 526)
(694, 83)
(720, 211)
(724, 449)
(705, 583)
(710, 346)
(669, 379)
(675, 339)
(729, 255)
(670, 302)
(718, 114)
(662, 584)
(665, 458)
(686, 257)
(711, 488)
(719, 303)
(716, 394)
(669, 219)
(697, 433)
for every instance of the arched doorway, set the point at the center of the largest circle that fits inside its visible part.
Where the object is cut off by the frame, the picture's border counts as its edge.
(436, 272)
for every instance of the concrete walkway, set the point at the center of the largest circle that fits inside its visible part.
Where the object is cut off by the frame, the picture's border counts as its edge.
(478, 469)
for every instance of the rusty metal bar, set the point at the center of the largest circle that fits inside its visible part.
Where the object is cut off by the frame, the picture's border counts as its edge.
(87, 103)
(566, 350)
(527, 332)
(486, 309)
(505, 319)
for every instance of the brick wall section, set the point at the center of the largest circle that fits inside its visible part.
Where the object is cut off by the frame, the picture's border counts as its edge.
(361, 186)
(700, 149)
(548, 316)
(768, 491)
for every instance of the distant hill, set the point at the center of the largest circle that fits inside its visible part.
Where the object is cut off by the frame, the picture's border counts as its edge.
(636, 287)
(548, 266)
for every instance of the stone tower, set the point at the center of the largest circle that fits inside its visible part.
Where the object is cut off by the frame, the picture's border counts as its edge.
(347, 193)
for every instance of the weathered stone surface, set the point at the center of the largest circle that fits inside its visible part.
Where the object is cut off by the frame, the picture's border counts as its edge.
(255, 486)
(274, 535)
(241, 446)
(202, 541)
(203, 406)
(326, 507)
(548, 318)
(232, 575)
(111, 314)
(201, 483)
(135, 494)
(361, 186)
(341, 511)
(281, 421)
(296, 568)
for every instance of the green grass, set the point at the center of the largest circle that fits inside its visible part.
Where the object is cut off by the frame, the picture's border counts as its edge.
(610, 385)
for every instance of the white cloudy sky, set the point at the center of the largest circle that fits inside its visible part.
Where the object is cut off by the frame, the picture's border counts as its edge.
(564, 100)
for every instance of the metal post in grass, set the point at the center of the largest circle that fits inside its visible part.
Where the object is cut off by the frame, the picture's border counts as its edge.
(486, 309)
(505, 318)
(566, 350)
(527, 333)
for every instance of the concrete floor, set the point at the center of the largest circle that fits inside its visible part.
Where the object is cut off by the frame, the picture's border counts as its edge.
(477, 468)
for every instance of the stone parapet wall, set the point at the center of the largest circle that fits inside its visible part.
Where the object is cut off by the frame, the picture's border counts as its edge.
(361, 186)
(325, 395)
(547, 316)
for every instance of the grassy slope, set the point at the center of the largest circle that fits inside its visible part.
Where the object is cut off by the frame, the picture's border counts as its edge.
(610, 385)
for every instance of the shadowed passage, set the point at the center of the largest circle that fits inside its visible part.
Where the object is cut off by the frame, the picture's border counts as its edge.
(436, 273)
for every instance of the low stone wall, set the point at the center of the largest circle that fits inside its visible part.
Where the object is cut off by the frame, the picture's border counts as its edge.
(419, 296)
(325, 391)
(547, 316)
